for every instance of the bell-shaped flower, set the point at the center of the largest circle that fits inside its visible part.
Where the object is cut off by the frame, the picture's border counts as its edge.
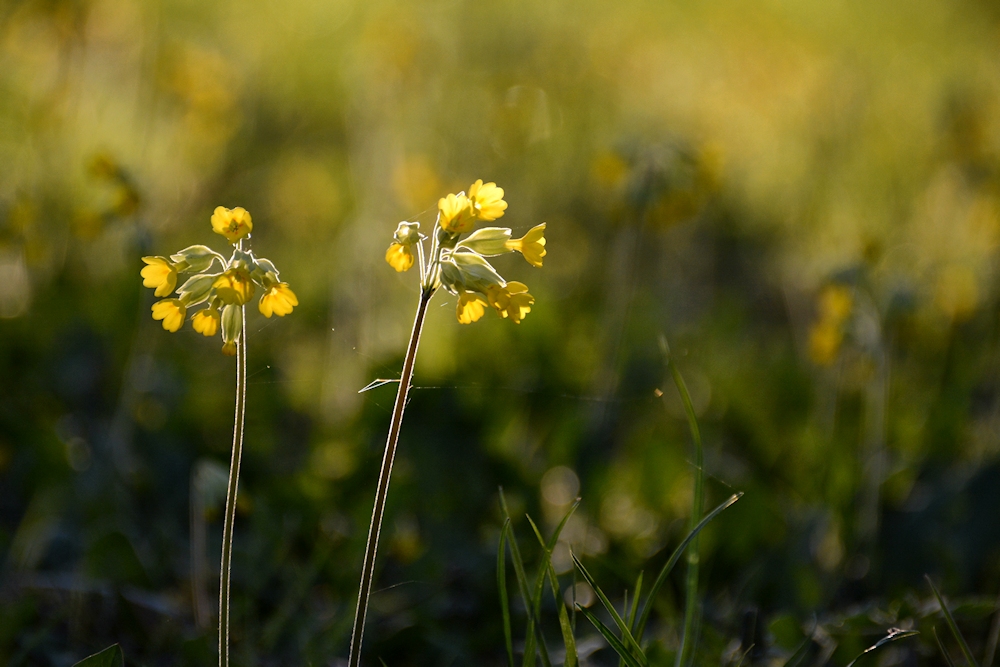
(160, 274)
(457, 215)
(234, 224)
(234, 287)
(207, 321)
(171, 312)
(511, 301)
(487, 200)
(471, 307)
(399, 256)
(278, 299)
(531, 245)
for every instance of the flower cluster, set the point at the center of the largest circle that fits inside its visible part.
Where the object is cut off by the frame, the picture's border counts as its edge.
(222, 292)
(460, 265)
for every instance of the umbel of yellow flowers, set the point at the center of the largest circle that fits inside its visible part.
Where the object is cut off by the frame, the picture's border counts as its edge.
(460, 265)
(222, 286)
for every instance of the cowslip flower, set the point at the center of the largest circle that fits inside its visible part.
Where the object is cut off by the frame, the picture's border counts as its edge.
(222, 291)
(399, 257)
(206, 322)
(171, 312)
(234, 286)
(471, 307)
(459, 265)
(457, 215)
(278, 299)
(234, 224)
(160, 274)
(511, 300)
(531, 245)
(487, 200)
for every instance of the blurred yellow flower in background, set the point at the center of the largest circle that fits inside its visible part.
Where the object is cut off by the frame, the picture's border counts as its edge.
(487, 200)
(827, 334)
(160, 274)
(172, 312)
(531, 245)
(234, 224)
(278, 299)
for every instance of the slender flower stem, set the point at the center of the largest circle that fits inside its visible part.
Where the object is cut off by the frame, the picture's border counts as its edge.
(234, 479)
(375, 527)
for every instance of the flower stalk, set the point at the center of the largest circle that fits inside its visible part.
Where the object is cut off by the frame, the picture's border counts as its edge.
(231, 492)
(382, 491)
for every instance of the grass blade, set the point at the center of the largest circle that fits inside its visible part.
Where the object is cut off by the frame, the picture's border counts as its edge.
(609, 636)
(697, 509)
(952, 626)
(661, 578)
(109, 657)
(895, 634)
(627, 636)
(569, 641)
(502, 585)
(634, 611)
(522, 584)
(944, 651)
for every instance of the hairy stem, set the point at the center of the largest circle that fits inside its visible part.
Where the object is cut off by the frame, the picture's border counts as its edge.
(234, 479)
(375, 527)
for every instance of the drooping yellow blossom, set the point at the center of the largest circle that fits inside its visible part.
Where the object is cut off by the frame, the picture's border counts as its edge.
(457, 214)
(172, 312)
(234, 224)
(206, 322)
(234, 287)
(160, 274)
(278, 299)
(229, 349)
(531, 245)
(487, 200)
(399, 256)
(471, 307)
(512, 301)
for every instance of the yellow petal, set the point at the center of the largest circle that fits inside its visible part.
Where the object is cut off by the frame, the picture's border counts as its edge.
(399, 257)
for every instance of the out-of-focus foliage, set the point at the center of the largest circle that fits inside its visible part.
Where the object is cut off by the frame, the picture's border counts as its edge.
(804, 197)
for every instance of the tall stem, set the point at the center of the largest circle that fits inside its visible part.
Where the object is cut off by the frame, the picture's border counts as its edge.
(234, 479)
(375, 527)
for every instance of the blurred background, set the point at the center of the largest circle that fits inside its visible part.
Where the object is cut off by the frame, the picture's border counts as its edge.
(802, 197)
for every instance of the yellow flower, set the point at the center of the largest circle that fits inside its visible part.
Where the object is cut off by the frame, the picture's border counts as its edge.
(206, 322)
(234, 286)
(160, 274)
(278, 300)
(512, 301)
(487, 200)
(531, 245)
(172, 312)
(234, 224)
(835, 303)
(457, 214)
(399, 257)
(229, 349)
(471, 307)
(825, 339)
